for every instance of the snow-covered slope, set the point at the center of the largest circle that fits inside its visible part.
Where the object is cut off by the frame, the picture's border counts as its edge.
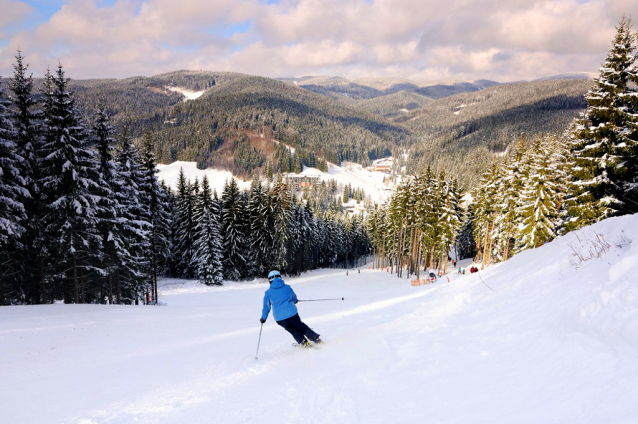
(550, 336)
(188, 94)
(348, 173)
(216, 177)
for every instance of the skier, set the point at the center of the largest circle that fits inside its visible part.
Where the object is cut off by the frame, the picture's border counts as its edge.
(432, 277)
(283, 299)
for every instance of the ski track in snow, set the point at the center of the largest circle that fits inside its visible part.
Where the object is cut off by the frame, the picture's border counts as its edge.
(552, 343)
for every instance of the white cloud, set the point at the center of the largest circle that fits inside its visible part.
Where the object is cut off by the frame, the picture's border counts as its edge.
(426, 39)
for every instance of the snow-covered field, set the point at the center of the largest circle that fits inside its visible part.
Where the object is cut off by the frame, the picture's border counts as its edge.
(216, 177)
(553, 339)
(348, 173)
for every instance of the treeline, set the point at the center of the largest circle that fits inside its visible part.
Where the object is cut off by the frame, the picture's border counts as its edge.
(467, 133)
(244, 235)
(80, 223)
(544, 188)
(84, 219)
(556, 185)
(417, 226)
(521, 203)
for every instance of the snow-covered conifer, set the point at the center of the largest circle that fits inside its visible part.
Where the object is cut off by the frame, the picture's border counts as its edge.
(155, 203)
(208, 250)
(280, 206)
(259, 235)
(69, 182)
(233, 221)
(539, 200)
(132, 218)
(26, 119)
(12, 190)
(603, 140)
(185, 225)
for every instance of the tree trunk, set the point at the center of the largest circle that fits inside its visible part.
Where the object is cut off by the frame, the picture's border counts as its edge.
(75, 280)
(82, 286)
(118, 288)
(43, 294)
(110, 289)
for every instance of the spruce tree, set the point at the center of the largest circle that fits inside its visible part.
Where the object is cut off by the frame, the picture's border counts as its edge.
(280, 205)
(12, 211)
(114, 249)
(259, 236)
(603, 140)
(185, 225)
(133, 219)
(539, 200)
(208, 254)
(233, 221)
(12, 190)
(69, 182)
(26, 119)
(155, 203)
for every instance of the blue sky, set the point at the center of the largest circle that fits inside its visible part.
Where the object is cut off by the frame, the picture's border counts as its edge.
(504, 40)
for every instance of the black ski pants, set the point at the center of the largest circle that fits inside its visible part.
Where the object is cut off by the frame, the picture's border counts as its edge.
(298, 329)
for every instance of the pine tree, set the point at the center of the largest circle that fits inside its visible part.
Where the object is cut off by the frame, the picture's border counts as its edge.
(70, 181)
(27, 123)
(133, 219)
(12, 211)
(603, 139)
(171, 263)
(259, 236)
(280, 206)
(155, 203)
(539, 200)
(185, 225)
(114, 250)
(485, 212)
(12, 190)
(448, 217)
(508, 220)
(208, 255)
(233, 220)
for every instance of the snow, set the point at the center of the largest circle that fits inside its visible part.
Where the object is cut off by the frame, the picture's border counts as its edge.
(555, 341)
(355, 175)
(188, 94)
(290, 148)
(216, 177)
(348, 173)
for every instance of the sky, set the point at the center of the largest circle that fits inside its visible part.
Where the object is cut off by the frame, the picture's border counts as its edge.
(423, 40)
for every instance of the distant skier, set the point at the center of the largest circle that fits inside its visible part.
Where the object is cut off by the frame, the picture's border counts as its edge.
(282, 299)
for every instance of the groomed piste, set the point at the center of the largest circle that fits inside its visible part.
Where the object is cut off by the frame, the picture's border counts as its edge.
(553, 339)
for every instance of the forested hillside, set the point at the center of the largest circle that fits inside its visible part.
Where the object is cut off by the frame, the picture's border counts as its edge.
(259, 126)
(466, 133)
(224, 127)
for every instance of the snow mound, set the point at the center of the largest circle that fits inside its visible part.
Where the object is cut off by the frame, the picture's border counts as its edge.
(548, 336)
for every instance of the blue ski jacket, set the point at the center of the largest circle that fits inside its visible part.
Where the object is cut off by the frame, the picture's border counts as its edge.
(282, 299)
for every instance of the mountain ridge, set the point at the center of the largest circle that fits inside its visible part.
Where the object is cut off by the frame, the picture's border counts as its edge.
(231, 125)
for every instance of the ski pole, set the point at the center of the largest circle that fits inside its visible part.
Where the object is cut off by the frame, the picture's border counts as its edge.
(319, 300)
(259, 341)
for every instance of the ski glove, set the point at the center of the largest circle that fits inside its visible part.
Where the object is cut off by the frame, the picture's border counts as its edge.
(262, 320)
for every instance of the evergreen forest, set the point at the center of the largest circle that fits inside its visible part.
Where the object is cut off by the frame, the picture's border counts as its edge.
(490, 172)
(84, 218)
